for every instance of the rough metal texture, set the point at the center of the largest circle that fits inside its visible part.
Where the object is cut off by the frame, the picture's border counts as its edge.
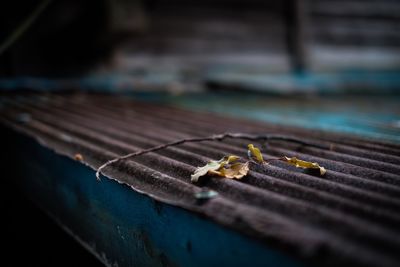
(349, 216)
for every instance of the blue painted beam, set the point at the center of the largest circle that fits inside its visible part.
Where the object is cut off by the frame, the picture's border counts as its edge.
(123, 227)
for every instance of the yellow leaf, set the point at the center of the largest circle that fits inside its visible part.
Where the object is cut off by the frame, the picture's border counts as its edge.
(212, 167)
(255, 153)
(305, 164)
(232, 158)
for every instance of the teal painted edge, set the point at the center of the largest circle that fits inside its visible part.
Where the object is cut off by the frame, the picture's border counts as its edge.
(337, 82)
(334, 82)
(124, 227)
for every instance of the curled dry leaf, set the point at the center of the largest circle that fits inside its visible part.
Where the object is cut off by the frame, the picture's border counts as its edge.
(236, 171)
(255, 153)
(201, 171)
(304, 164)
(225, 167)
(212, 167)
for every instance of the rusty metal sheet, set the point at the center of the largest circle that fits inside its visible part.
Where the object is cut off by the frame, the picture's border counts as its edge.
(349, 216)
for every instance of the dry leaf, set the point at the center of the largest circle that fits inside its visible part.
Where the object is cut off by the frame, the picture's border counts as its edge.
(231, 158)
(255, 153)
(212, 167)
(236, 171)
(201, 171)
(305, 164)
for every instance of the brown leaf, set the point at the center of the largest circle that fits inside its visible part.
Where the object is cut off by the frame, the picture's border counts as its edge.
(236, 171)
(304, 164)
(212, 167)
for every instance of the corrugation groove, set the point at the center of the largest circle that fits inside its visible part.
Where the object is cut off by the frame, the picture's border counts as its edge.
(352, 212)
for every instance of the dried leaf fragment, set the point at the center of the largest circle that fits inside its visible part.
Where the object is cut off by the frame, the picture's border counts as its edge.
(230, 159)
(201, 171)
(305, 164)
(255, 153)
(225, 167)
(236, 171)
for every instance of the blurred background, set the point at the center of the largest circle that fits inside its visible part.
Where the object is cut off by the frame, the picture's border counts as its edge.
(223, 41)
(317, 61)
(330, 65)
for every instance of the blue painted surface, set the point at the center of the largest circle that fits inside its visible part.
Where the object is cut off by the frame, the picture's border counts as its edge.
(108, 83)
(333, 83)
(126, 227)
(337, 82)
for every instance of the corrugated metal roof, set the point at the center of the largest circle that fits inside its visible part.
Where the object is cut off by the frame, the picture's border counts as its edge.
(348, 216)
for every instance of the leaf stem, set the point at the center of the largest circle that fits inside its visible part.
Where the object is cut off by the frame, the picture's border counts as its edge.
(273, 159)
